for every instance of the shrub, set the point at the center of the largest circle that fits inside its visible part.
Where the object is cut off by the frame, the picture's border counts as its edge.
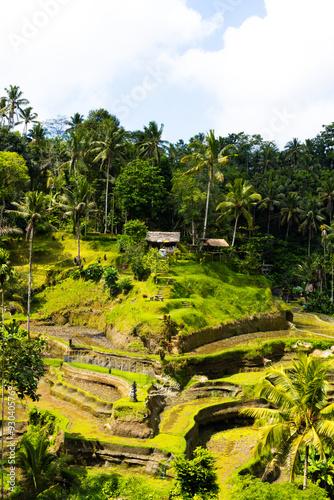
(110, 277)
(197, 476)
(249, 487)
(93, 272)
(125, 283)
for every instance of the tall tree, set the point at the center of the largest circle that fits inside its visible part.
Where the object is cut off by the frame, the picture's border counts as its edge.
(311, 215)
(27, 117)
(290, 210)
(15, 101)
(241, 197)
(294, 150)
(271, 191)
(111, 148)
(208, 156)
(76, 202)
(150, 143)
(326, 193)
(33, 207)
(13, 178)
(299, 415)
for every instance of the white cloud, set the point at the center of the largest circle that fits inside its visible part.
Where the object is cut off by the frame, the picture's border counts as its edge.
(271, 75)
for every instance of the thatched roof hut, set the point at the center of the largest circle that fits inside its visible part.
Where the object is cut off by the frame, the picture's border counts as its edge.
(162, 237)
(216, 243)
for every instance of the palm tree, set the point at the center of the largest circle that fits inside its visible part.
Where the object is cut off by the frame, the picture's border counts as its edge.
(76, 202)
(15, 101)
(207, 155)
(312, 217)
(109, 150)
(38, 465)
(37, 134)
(294, 149)
(150, 143)
(271, 196)
(238, 201)
(33, 207)
(290, 210)
(268, 156)
(299, 415)
(326, 193)
(5, 274)
(78, 145)
(28, 117)
(74, 121)
(3, 110)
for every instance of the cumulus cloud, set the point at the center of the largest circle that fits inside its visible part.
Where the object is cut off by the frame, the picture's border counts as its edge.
(271, 75)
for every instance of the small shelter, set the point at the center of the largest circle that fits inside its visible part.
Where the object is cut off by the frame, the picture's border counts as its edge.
(163, 239)
(215, 243)
(213, 246)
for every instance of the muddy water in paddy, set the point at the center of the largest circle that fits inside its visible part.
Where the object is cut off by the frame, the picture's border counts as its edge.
(102, 391)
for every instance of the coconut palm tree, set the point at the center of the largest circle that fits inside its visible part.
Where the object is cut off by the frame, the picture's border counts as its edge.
(38, 465)
(78, 146)
(299, 415)
(290, 210)
(108, 150)
(294, 150)
(33, 207)
(76, 202)
(206, 155)
(15, 101)
(27, 117)
(149, 142)
(3, 110)
(240, 198)
(74, 121)
(271, 195)
(312, 218)
(5, 274)
(326, 193)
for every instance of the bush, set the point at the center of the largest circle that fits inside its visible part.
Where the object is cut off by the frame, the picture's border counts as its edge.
(251, 488)
(125, 283)
(110, 277)
(197, 476)
(93, 272)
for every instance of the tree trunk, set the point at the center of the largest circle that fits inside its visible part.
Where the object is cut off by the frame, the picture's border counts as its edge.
(193, 231)
(78, 238)
(107, 193)
(268, 223)
(332, 280)
(305, 468)
(235, 230)
(206, 209)
(1, 214)
(29, 282)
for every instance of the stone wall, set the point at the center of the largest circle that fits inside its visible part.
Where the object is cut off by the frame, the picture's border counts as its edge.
(261, 323)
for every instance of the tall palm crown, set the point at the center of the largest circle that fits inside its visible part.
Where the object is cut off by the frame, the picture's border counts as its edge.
(149, 142)
(32, 208)
(271, 195)
(27, 117)
(207, 155)
(326, 193)
(75, 202)
(301, 417)
(290, 210)
(238, 201)
(15, 102)
(111, 148)
(311, 214)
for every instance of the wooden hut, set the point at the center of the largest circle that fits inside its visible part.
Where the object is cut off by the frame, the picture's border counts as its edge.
(215, 243)
(163, 239)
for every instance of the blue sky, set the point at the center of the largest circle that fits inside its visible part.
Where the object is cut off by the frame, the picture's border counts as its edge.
(258, 66)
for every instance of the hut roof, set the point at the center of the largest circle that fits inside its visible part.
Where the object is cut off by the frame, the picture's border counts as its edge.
(216, 243)
(163, 237)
